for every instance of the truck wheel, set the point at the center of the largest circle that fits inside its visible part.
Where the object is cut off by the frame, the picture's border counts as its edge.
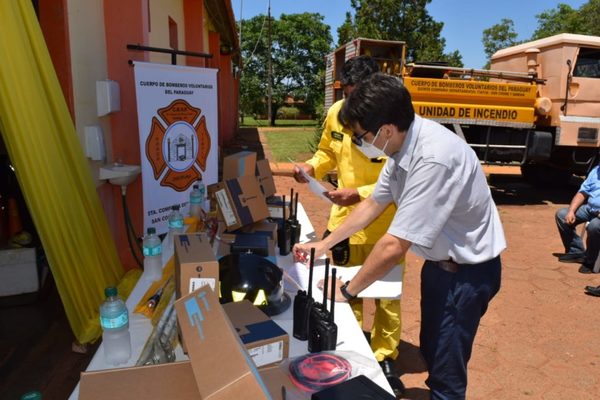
(544, 175)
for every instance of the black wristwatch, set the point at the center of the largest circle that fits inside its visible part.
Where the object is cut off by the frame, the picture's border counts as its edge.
(345, 293)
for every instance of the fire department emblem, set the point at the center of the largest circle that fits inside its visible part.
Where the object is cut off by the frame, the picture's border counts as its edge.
(178, 145)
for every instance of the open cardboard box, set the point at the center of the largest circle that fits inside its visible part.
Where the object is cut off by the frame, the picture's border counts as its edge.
(266, 342)
(219, 367)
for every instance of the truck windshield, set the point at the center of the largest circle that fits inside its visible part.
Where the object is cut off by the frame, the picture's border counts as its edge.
(588, 63)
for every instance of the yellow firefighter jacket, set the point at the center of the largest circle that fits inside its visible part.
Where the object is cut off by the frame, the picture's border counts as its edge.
(354, 170)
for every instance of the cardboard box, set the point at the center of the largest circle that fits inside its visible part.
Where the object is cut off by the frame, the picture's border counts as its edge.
(266, 228)
(275, 207)
(266, 342)
(195, 263)
(18, 272)
(219, 367)
(265, 177)
(223, 247)
(239, 164)
(241, 202)
(165, 382)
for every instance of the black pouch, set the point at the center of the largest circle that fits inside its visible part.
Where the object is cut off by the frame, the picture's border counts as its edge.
(340, 253)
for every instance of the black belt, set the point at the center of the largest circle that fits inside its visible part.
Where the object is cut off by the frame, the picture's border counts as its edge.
(448, 265)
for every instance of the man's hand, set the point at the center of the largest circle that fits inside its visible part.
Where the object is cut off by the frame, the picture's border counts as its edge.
(570, 217)
(339, 297)
(343, 197)
(298, 174)
(301, 251)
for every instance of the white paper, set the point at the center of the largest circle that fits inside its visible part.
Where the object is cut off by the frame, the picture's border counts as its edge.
(314, 184)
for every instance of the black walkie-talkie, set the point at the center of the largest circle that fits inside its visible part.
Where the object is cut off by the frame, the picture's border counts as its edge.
(283, 233)
(327, 329)
(303, 303)
(295, 226)
(318, 313)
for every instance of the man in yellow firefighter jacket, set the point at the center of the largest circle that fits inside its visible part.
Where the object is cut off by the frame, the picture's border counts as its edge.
(356, 175)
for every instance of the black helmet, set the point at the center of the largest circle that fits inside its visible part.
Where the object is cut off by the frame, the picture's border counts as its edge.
(248, 276)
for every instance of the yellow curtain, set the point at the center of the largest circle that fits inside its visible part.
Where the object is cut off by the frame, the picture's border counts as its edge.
(53, 172)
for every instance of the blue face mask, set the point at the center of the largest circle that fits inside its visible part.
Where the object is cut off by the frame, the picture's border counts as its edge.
(369, 150)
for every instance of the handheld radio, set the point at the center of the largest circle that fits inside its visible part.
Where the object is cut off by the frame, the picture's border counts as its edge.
(318, 313)
(326, 330)
(303, 303)
(283, 233)
(295, 227)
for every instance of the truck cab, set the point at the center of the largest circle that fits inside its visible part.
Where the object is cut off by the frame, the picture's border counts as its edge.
(569, 64)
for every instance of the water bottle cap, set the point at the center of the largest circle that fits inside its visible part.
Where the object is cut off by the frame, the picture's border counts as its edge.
(195, 186)
(151, 231)
(35, 395)
(175, 207)
(110, 291)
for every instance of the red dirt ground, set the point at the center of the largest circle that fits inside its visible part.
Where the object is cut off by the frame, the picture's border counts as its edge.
(540, 338)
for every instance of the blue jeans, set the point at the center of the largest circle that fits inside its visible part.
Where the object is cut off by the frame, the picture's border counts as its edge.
(572, 241)
(452, 305)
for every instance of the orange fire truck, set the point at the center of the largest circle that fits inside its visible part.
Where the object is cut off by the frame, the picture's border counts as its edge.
(538, 106)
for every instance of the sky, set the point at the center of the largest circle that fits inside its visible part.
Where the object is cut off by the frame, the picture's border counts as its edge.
(464, 20)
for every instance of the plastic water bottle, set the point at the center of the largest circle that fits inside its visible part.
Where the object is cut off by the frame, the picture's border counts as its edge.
(175, 224)
(197, 200)
(35, 395)
(114, 319)
(152, 248)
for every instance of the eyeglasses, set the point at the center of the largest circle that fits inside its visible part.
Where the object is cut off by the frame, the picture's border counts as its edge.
(358, 139)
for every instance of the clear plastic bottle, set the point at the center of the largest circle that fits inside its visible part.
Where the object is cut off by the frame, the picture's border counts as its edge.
(152, 248)
(175, 224)
(114, 319)
(197, 200)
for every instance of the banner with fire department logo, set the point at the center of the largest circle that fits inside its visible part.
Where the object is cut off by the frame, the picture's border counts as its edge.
(177, 118)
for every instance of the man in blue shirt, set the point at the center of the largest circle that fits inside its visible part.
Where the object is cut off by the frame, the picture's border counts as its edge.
(584, 207)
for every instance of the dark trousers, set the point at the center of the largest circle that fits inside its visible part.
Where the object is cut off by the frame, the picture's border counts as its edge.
(572, 241)
(452, 303)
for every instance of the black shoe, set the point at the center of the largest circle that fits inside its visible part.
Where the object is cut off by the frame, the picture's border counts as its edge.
(571, 258)
(387, 366)
(585, 269)
(557, 254)
(593, 290)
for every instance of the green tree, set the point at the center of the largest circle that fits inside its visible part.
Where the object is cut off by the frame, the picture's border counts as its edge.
(559, 20)
(299, 45)
(499, 36)
(590, 15)
(562, 19)
(406, 20)
(347, 31)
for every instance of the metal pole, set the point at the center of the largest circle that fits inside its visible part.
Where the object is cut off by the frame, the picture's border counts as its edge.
(269, 69)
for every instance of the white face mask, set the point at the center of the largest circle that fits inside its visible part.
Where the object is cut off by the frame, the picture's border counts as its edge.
(370, 150)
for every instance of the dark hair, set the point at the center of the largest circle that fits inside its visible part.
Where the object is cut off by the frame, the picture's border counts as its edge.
(356, 69)
(380, 99)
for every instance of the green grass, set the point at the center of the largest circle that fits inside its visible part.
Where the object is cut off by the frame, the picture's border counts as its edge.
(251, 122)
(289, 143)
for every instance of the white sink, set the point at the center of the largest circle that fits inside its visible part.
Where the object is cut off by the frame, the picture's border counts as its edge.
(120, 174)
